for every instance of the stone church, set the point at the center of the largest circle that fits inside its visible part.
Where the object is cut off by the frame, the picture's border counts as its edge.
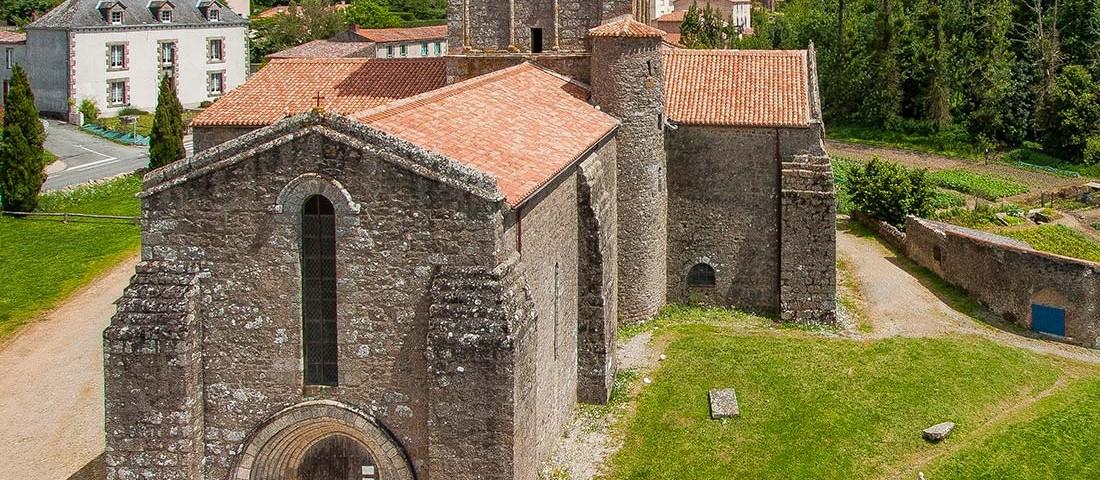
(426, 288)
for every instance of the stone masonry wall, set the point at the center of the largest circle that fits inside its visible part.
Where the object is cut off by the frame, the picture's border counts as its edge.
(628, 83)
(481, 26)
(545, 238)
(153, 377)
(1007, 276)
(723, 186)
(807, 292)
(206, 137)
(394, 228)
(598, 276)
(572, 65)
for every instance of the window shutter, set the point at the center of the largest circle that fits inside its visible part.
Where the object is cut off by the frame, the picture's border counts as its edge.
(125, 56)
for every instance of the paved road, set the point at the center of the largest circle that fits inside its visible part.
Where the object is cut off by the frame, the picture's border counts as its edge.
(83, 157)
(51, 391)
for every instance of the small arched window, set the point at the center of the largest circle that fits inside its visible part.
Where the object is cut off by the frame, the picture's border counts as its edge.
(701, 275)
(319, 291)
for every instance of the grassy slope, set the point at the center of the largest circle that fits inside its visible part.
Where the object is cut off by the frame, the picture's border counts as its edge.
(815, 407)
(1057, 439)
(45, 260)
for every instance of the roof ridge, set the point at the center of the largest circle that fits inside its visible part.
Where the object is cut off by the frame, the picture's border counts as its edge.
(405, 104)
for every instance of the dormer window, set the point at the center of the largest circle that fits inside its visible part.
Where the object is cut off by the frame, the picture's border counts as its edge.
(166, 15)
(211, 9)
(111, 10)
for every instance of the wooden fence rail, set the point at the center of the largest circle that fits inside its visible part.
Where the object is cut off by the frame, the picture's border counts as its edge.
(65, 215)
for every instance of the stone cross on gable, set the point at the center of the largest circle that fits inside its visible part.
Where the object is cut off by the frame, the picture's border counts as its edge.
(318, 98)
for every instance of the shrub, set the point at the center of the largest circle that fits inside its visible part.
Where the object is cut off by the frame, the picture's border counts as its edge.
(205, 103)
(90, 110)
(132, 111)
(1091, 155)
(890, 192)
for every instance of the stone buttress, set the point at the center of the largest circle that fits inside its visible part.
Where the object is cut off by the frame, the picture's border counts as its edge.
(153, 377)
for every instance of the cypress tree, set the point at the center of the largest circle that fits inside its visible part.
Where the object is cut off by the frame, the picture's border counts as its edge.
(166, 139)
(22, 166)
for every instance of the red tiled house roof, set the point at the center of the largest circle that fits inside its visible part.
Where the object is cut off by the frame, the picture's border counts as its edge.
(412, 34)
(522, 124)
(7, 37)
(349, 85)
(744, 88)
(326, 49)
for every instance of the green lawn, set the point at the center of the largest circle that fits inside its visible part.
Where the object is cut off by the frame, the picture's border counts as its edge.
(144, 122)
(815, 406)
(45, 260)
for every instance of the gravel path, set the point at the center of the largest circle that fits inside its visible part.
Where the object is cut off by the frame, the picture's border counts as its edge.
(896, 304)
(51, 391)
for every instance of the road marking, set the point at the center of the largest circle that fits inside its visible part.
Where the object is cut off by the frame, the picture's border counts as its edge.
(94, 164)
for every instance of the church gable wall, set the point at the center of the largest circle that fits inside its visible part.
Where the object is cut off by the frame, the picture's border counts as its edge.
(723, 211)
(405, 226)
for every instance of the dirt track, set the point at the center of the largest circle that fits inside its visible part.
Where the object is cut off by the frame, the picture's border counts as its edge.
(897, 304)
(51, 391)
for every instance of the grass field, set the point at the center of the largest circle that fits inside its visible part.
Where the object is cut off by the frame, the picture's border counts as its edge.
(144, 122)
(920, 142)
(45, 260)
(817, 406)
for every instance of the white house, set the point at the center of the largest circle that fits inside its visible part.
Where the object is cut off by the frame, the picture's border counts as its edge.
(14, 46)
(116, 51)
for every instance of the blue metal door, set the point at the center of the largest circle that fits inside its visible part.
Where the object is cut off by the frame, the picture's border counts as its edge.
(1046, 319)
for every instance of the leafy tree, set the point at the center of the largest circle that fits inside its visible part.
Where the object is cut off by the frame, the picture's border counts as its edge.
(1074, 113)
(371, 14)
(689, 27)
(22, 166)
(890, 192)
(166, 137)
(310, 20)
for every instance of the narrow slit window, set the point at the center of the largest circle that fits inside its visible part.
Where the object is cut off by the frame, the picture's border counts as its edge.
(319, 352)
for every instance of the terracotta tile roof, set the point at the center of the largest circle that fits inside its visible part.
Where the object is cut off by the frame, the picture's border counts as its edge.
(521, 124)
(750, 88)
(413, 34)
(673, 16)
(326, 49)
(288, 86)
(673, 40)
(625, 27)
(12, 37)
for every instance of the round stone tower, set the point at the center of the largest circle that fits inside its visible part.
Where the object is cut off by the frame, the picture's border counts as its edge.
(628, 83)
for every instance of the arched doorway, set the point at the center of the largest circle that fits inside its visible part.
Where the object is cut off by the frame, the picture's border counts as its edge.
(322, 440)
(337, 457)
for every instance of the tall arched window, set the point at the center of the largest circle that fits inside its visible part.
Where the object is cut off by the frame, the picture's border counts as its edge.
(701, 275)
(319, 291)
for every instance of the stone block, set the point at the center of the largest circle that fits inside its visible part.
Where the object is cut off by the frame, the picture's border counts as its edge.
(723, 403)
(938, 431)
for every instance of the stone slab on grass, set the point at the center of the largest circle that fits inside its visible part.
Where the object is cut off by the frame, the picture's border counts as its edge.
(938, 431)
(723, 403)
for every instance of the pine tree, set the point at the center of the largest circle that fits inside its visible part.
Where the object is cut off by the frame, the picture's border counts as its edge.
(689, 27)
(22, 169)
(166, 139)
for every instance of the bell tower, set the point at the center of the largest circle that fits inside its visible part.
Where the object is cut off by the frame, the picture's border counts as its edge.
(487, 35)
